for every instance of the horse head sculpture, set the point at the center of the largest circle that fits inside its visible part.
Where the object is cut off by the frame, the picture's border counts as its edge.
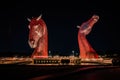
(86, 50)
(38, 37)
(86, 27)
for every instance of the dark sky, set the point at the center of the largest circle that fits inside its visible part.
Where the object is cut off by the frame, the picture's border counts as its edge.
(61, 19)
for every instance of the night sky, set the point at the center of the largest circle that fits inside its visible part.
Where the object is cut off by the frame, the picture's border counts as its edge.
(61, 19)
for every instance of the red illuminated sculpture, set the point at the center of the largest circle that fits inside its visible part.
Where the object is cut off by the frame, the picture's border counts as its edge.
(38, 37)
(86, 50)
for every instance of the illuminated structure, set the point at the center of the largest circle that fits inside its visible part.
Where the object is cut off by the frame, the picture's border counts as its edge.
(86, 50)
(58, 60)
(38, 37)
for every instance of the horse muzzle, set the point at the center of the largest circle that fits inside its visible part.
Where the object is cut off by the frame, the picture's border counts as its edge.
(32, 43)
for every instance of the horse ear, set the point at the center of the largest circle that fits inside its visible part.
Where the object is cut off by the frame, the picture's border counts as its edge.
(39, 17)
(28, 19)
(78, 26)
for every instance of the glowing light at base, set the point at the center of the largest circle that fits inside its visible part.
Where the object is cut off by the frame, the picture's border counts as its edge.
(86, 50)
(38, 37)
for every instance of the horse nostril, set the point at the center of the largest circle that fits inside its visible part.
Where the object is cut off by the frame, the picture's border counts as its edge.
(32, 41)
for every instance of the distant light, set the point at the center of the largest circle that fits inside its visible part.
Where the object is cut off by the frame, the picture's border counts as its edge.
(49, 51)
(73, 51)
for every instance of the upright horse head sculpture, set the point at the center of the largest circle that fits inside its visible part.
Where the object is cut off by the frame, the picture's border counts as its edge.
(38, 37)
(86, 50)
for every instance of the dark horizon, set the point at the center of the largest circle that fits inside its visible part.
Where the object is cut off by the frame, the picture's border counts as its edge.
(61, 23)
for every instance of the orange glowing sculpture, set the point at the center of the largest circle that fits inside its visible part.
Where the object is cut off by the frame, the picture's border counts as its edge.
(86, 50)
(38, 37)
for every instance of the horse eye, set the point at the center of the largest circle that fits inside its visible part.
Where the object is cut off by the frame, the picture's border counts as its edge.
(36, 26)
